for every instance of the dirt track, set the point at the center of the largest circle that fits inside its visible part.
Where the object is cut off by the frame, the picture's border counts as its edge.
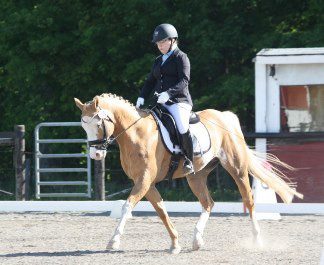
(81, 239)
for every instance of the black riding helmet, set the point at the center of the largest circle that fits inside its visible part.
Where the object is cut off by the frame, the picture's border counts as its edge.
(164, 31)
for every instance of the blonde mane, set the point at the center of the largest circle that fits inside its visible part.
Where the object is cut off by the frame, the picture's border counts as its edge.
(115, 97)
(125, 103)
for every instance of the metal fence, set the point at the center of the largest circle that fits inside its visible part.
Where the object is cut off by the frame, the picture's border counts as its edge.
(39, 171)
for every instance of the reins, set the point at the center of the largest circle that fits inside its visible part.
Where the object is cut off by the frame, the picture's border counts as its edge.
(110, 141)
(105, 141)
(122, 132)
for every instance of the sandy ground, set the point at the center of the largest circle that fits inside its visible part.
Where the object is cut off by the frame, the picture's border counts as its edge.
(70, 238)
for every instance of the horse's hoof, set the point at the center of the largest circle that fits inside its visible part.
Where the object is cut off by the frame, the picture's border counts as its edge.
(175, 250)
(113, 245)
(258, 242)
(197, 243)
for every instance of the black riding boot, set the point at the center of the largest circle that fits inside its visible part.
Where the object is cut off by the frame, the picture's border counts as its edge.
(186, 145)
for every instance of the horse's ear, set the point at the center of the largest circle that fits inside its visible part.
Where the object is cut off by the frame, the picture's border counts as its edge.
(96, 102)
(78, 103)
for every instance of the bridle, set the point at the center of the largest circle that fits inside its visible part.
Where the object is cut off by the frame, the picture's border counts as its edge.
(101, 144)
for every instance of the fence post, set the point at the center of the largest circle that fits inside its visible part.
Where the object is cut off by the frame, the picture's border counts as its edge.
(20, 166)
(27, 181)
(99, 178)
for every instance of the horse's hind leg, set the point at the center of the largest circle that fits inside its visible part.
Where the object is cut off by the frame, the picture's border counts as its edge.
(156, 200)
(198, 186)
(245, 190)
(241, 178)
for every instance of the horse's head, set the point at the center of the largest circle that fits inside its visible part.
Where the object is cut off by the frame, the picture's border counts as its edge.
(98, 124)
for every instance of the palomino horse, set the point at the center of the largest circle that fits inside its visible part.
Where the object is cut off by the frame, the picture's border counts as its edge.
(146, 161)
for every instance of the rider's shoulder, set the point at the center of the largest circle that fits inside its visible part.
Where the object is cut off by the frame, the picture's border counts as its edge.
(181, 56)
(180, 53)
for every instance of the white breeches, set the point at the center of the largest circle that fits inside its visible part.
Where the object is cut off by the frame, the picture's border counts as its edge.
(181, 114)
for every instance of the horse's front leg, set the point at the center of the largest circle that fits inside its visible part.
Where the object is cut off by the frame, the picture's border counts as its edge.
(155, 198)
(138, 192)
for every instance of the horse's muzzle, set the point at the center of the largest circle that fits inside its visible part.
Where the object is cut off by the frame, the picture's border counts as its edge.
(97, 154)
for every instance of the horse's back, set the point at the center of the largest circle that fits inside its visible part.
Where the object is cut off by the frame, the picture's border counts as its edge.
(225, 123)
(224, 118)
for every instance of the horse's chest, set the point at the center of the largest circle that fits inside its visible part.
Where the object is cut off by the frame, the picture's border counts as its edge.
(132, 163)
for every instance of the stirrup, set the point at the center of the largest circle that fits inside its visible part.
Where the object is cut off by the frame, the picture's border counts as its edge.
(188, 167)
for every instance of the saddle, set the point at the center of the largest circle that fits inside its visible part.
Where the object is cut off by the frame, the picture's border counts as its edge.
(171, 138)
(168, 121)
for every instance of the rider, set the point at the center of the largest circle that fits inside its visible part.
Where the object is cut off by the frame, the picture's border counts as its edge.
(170, 77)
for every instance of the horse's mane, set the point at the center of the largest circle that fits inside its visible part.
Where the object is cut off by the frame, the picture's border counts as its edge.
(119, 98)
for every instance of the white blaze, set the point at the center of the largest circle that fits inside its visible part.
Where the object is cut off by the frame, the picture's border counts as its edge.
(90, 125)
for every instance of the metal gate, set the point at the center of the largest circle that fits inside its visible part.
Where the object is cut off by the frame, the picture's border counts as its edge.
(39, 170)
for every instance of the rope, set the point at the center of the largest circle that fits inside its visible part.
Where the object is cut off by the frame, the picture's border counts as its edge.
(7, 192)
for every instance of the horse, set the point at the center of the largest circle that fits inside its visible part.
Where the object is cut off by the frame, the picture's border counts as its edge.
(145, 160)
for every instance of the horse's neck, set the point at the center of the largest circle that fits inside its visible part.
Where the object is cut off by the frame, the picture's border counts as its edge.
(125, 116)
(132, 128)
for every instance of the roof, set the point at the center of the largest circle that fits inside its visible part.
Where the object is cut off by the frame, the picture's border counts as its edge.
(291, 51)
(291, 56)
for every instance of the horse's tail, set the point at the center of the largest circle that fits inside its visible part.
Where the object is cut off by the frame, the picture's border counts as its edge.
(265, 168)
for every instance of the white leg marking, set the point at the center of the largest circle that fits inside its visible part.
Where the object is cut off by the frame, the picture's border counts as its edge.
(198, 241)
(256, 231)
(114, 242)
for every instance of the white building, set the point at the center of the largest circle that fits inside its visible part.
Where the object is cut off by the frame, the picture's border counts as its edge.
(289, 97)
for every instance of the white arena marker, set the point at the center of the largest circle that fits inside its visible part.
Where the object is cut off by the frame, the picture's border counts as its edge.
(145, 206)
(263, 194)
(116, 210)
(322, 257)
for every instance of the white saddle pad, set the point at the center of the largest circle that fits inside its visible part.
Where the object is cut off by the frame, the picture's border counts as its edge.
(197, 130)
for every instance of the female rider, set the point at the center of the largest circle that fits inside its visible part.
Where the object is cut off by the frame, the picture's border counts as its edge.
(170, 77)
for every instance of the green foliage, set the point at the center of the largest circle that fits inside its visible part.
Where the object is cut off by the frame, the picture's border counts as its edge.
(185, 194)
(52, 51)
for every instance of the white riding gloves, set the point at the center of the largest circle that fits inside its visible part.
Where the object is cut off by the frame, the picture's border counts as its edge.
(163, 97)
(139, 102)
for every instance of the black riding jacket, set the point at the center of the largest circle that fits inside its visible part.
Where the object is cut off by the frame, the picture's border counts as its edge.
(173, 76)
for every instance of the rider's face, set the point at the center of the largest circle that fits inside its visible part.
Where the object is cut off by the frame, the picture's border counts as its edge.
(164, 45)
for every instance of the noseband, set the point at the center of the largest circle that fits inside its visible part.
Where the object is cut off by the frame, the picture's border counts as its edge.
(101, 144)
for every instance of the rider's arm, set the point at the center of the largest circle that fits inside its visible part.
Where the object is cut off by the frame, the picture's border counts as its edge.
(183, 68)
(149, 84)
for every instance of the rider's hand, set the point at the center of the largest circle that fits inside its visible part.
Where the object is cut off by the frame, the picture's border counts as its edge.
(139, 102)
(164, 97)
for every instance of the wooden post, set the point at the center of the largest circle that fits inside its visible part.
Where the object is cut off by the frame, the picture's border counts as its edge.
(27, 181)
(19, 155)
(99, 175)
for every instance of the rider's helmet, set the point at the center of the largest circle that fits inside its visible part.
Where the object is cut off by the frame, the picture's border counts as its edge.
(164, 31)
